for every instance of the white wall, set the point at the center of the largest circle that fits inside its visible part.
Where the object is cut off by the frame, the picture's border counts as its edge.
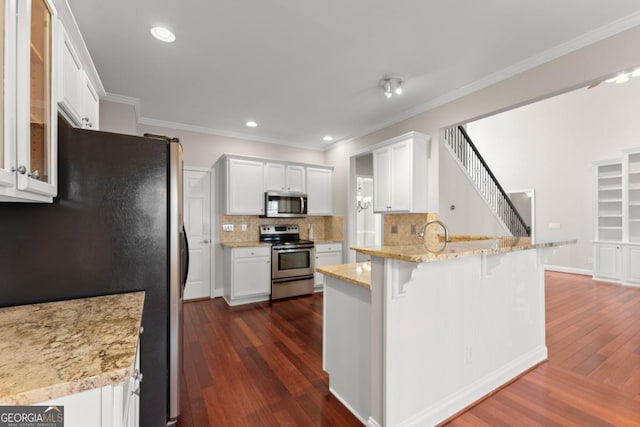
(200, 149)
(118, 118)
(204, 149)
(471, 216)
(551, 145)
(577, 69)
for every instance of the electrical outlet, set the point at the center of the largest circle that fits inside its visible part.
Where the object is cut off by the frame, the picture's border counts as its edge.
(394, 229)
(227, 227)
(554, 225)
(243, 227)
(413, 229)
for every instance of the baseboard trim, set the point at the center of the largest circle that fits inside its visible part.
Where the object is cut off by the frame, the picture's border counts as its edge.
(570, 270)
(216, 293)
(477, 391)
(187, 301)
(346, 404)
(373, 423)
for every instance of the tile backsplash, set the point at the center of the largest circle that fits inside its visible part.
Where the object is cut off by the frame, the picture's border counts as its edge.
(324, 227)
(403, 229)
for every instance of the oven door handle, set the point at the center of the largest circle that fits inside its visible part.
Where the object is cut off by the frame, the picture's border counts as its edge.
(298, 249)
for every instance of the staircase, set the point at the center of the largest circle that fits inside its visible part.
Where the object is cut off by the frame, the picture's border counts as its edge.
(465, 152)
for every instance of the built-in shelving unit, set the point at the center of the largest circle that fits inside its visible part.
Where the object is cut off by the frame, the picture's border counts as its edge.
(633, 197)
(609, 199)
(617, 219)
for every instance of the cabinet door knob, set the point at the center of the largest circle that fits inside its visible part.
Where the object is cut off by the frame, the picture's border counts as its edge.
(205, 241)
(22, 169)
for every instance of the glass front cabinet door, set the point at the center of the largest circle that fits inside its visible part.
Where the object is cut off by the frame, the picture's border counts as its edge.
(28, 120)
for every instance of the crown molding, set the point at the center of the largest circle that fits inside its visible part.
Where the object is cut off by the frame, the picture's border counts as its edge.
(218, 132)
(556, 52)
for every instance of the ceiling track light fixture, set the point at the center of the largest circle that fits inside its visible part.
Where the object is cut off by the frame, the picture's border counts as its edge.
(391, 85)
(624, 77)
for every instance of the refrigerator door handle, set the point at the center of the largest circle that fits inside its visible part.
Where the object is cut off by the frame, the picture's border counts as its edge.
(185, 258)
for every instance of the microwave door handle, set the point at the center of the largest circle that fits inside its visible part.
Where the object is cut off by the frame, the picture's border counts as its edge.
(301, 204)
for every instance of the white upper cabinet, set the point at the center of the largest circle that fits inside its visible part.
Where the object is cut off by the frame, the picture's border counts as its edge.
(244, 187)
(29, 117)
(243, 181)
(400, 174)
(78, 99)
(71, 81)
(284, 178)
(320, 191)
(90, 106)
(296, 179)
(274, 177)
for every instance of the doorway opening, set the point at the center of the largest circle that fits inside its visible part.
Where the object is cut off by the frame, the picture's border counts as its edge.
(367, 225)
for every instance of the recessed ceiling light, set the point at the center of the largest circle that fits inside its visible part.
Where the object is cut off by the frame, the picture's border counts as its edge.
(327, 138)
(251, 124)
(163, 34)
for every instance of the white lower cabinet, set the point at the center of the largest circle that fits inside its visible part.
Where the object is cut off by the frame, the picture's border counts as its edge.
(631, 261)
(607, 260)
(115, 405)
(618, 262)
(326, 254)
(247, 274)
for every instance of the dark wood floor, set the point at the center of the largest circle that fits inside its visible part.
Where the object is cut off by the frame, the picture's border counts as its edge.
(261, 364)
(257, 365)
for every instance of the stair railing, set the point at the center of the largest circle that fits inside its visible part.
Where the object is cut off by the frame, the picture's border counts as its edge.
(465, 151)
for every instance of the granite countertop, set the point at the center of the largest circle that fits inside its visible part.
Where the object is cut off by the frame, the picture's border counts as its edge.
(422, 253)
(326, 241)
(358, 273)
(54, 349)
(243, 244)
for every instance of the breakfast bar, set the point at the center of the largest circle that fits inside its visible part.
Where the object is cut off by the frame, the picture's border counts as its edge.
(440, 326)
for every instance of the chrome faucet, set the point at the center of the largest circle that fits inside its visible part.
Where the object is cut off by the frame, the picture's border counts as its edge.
(436, 221)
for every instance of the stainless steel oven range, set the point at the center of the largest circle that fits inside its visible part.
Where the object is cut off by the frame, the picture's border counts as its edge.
(292, 260)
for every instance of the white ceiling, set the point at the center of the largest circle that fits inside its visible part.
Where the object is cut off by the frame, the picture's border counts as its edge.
(304, 69)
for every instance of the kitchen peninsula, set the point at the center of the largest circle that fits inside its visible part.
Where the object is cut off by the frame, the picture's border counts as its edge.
(439, 328)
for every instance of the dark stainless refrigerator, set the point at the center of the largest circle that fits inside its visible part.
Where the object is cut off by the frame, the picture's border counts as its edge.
(116, 226)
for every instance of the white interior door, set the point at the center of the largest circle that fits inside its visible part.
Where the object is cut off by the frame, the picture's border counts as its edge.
(197, 222)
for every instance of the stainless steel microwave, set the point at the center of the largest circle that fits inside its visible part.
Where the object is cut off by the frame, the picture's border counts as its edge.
(285, 205)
